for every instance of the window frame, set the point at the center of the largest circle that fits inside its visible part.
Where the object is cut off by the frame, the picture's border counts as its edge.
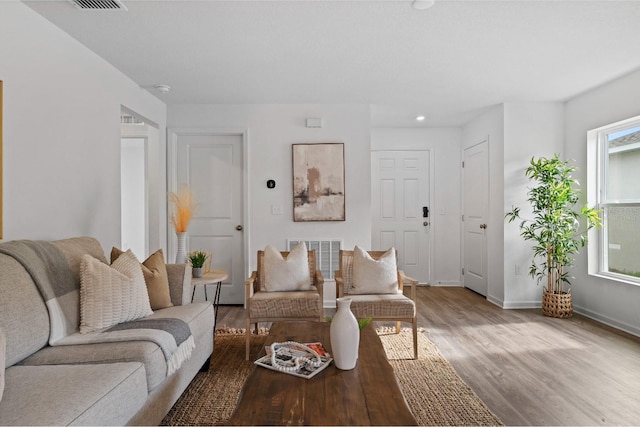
(597, 167)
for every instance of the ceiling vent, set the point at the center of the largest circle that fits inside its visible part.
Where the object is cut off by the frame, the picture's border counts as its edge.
(99, 4)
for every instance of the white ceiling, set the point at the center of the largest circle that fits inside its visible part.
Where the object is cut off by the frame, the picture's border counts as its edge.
(448, 62)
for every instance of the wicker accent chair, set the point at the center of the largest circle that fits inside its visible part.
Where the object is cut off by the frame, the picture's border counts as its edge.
(263, 306)
(380, 307)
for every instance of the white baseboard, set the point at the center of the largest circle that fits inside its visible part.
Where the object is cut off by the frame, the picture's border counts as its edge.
(508, 305)
(633, 330)
(447, 283)
(495, 301)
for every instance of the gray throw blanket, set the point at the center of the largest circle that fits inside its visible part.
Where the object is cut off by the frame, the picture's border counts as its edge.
(52, 274)
(173, 336)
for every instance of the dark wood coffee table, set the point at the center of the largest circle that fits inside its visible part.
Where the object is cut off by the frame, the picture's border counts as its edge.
(366, 395)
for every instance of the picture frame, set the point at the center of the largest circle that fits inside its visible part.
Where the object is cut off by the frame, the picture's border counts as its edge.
(318, 182)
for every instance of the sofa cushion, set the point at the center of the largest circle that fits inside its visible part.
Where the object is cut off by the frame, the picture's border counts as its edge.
(23, 314)
(73, 394)
(155, 277)
(199, 317)
(3, 347)
(111, 294)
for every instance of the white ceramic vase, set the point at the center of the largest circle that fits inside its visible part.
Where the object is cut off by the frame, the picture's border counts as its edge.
(345, 336)
(181, 254)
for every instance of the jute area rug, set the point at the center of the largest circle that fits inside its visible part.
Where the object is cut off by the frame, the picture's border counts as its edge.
(435, 393)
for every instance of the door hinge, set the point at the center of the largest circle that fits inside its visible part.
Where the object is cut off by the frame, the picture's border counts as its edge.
(463, 271)
(462, 217)
(463, 163)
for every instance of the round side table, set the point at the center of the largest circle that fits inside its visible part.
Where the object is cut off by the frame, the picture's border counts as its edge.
(212, 277)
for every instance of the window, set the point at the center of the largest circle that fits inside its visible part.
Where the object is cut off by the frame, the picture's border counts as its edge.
(614, 152)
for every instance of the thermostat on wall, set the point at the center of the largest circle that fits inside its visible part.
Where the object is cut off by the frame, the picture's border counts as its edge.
(314, 122)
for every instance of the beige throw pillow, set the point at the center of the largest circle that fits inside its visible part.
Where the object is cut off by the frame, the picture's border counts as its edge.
(155, 276)
(3, 350)
(111, 294)
(291, 274)
(371, 276)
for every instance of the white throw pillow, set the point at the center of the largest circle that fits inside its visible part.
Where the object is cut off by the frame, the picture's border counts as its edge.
(371, 276)
(111, 294)
(291, 274)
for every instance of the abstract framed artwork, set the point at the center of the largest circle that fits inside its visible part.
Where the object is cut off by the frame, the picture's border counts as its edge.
(318, 182)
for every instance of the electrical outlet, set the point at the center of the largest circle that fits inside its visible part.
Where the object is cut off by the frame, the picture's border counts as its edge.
(517, 270)
(276, 210)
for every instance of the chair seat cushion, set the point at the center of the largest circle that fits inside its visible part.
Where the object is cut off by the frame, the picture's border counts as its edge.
(391, 306)
(292, 304)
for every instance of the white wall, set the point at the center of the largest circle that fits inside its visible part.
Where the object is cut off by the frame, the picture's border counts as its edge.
(62, 132)
(444, 146)
(271, 131)
(516, 132)
(609, 301)
(532, 129)
(490, 125)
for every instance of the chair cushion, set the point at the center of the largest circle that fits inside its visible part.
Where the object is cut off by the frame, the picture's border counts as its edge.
(371, 276)
(155, 277)
(109, 394)
(294, 304)
(111, 294)
(381, 306)
(291, 274)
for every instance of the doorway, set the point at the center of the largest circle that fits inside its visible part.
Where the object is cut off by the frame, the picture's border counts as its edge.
(211, 164)
(139, 183)
(475, 201)
(400, 200)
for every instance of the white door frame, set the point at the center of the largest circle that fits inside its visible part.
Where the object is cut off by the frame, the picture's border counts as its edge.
(172, 179)
(431, 205)
(151, 134)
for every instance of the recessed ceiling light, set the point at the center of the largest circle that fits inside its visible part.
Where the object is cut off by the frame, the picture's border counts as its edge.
(422, 4)
(420, 118)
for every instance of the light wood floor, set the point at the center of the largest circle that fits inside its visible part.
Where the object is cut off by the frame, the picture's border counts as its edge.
(527, 368)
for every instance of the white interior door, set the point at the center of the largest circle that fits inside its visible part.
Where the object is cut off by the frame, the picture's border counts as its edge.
(211, 165)
(400, 191)
(475, 173)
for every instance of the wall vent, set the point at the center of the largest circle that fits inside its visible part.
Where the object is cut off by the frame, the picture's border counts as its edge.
(126, 119)
(327, 254)
(99, 4)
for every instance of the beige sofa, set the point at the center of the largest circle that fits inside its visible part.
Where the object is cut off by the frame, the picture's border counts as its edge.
(110, 383)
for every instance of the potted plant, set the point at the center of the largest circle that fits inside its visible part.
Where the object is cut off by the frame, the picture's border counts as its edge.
(197, 260)
(555, 229)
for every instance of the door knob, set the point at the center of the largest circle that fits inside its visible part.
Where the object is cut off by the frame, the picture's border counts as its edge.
(483, 226)
(239, 227)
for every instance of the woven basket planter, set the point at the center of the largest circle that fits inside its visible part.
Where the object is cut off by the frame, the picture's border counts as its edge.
(557, 305)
